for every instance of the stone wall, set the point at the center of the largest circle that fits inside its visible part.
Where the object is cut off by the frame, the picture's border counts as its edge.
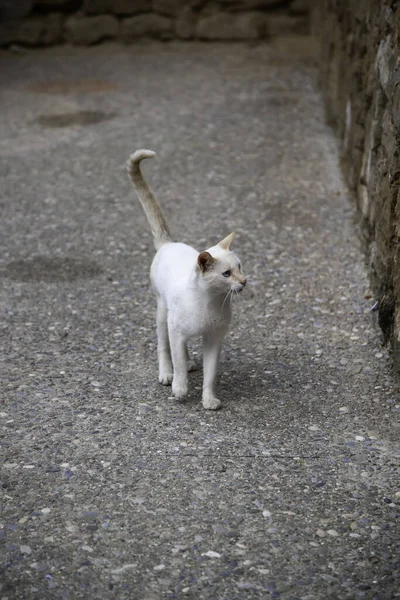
(360, 77)
(84, 22)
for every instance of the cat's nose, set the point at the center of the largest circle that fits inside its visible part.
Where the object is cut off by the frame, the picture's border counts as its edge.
(244, 282)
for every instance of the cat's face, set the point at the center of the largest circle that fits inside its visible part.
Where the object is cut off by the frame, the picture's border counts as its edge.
(221, 269)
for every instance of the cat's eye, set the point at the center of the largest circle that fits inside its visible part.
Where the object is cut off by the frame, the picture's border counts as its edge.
(226, 273)
(239, 267)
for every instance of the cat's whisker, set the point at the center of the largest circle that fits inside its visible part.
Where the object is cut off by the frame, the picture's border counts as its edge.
(225, 299)
(237, 295)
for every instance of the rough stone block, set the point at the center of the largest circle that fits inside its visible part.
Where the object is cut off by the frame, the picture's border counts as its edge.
(33, 31)
(26, 32)
(10, 9)
(284, 24)
(146, 26)
(130, 7)
(90, 30)
(96, 7)
(57, 5)
(299, 7)
(385, 63)
(185, 25)
(52, 29)
(227, 26)
(170, 8)
(251, 5)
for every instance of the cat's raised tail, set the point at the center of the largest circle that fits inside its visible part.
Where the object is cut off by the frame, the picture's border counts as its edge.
(151, 207)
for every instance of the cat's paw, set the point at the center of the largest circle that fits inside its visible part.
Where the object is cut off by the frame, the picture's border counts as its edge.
(166, 378)
(211, 402)
(179, 391)
(191, 365)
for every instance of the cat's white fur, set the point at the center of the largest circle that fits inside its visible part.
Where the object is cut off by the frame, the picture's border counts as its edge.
(193, 295)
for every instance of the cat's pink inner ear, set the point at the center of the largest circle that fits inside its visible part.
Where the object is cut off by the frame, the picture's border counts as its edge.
(226, 242)
(205, 260)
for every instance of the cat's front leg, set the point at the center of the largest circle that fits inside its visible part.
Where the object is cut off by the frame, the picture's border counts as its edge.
(179, 361)
(212, 343)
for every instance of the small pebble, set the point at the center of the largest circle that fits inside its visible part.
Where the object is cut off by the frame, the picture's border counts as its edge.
(313, 428)
(87, 548)
(266, 513)
(245, 585)
(344, 409)
(124, 568)
(46, 511)
(159, 568)
(25, 550)
(332, 532)
(212, 554)
(320, 533)
(360, 438)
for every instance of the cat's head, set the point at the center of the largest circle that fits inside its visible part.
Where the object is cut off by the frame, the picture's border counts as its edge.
(221, 269)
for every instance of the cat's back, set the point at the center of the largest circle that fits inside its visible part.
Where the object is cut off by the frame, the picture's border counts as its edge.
(173, 265)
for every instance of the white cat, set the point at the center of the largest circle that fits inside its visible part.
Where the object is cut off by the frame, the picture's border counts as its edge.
(194, 292)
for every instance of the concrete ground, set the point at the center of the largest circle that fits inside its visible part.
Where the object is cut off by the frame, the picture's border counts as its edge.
(112, 489)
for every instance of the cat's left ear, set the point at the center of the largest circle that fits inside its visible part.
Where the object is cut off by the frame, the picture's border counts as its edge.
(226, 242)
(205, 261)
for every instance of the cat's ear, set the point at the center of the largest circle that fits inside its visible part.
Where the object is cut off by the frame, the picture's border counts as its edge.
(205, 261)
(226, 242)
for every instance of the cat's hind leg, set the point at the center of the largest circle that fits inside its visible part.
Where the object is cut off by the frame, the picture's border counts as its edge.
(163, 349)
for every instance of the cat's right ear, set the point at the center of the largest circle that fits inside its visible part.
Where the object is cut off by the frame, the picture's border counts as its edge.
(205, 261)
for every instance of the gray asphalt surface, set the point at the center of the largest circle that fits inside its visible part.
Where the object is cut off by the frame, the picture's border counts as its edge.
(112, 489)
